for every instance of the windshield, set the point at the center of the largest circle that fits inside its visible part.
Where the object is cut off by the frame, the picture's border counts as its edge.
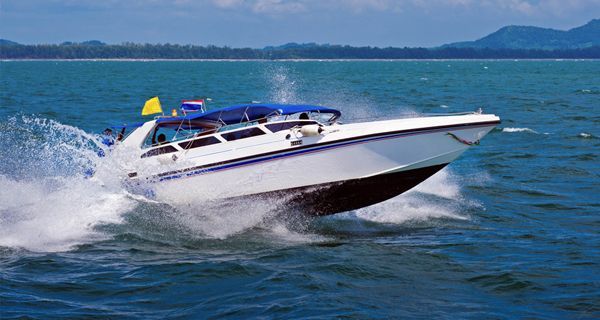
(170, 131)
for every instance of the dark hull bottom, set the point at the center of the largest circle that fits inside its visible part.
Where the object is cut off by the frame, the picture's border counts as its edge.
(348, 195)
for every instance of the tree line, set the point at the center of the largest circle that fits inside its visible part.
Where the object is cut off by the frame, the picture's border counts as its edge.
(176, 51)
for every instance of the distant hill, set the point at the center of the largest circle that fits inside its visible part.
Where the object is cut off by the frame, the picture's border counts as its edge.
(294, 45)
(587, 48)
(4, 42)
(525, 37)
(84, 43)
(93, 43)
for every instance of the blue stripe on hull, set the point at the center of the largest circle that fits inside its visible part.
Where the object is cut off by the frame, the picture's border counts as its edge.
(317, 148)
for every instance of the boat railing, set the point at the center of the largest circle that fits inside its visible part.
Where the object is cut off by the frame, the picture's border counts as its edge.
(478, 111)
(414, 115)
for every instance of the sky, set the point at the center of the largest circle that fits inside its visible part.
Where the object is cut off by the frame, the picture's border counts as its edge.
(259, 23)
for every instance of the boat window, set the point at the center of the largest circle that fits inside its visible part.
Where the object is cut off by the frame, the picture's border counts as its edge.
(237, 126)
(173, 133)
(275, 127)
(247, 133)
(157, 151)
(199, 143)
(152, 138)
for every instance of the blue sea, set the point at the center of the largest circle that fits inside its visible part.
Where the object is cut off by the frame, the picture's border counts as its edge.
(510, 230)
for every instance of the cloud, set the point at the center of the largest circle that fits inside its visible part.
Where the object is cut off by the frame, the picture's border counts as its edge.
(278, 6)
(524, 7)
(228, 3)
(527, 7)
(263, 6)
(559, 8)
(295, 6)
(517, 8)
(361, 5)
(548, 8)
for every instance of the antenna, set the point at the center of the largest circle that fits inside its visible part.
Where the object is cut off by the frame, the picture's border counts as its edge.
(206, 99)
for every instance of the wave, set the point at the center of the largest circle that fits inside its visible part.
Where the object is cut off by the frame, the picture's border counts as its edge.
(57, 215)
(437, 198)
(47, 204)
(588, 91)
(508, 129)
(586, 135)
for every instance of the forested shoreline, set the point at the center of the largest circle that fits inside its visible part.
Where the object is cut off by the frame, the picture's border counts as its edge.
(175, 51)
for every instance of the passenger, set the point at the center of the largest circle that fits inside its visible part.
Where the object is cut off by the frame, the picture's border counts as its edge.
(108, 139)
(303, 116)
(121, 134)
(162, 138)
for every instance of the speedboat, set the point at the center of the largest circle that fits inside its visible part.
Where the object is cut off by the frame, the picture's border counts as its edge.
(300, 153)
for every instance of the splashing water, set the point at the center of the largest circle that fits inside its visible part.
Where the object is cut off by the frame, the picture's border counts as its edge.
(283, 86)
(518, 130)
(586, 135)
(222, 220)
(409, 207)
(55, 216)
(438, 197)
(47, 204)
(37, 146)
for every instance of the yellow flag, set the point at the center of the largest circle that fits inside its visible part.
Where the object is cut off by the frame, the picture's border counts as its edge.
(152, 106)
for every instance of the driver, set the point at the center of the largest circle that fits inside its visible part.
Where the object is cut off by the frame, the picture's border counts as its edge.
(161, 138)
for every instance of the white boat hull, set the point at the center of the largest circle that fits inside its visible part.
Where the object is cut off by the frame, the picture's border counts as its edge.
(348, 167)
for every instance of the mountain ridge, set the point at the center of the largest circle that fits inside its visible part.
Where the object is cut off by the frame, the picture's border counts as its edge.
(531, 37)
(510, 42)
(507, 37)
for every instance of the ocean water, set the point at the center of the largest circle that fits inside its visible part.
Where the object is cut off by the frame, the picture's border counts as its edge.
(509, 230)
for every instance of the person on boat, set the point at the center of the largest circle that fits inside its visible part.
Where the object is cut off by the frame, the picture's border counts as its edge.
(108, 139)
(303, 116)
(121, 134)
(162, 138)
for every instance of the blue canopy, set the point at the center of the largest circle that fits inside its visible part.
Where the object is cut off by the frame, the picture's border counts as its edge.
(246, 112)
